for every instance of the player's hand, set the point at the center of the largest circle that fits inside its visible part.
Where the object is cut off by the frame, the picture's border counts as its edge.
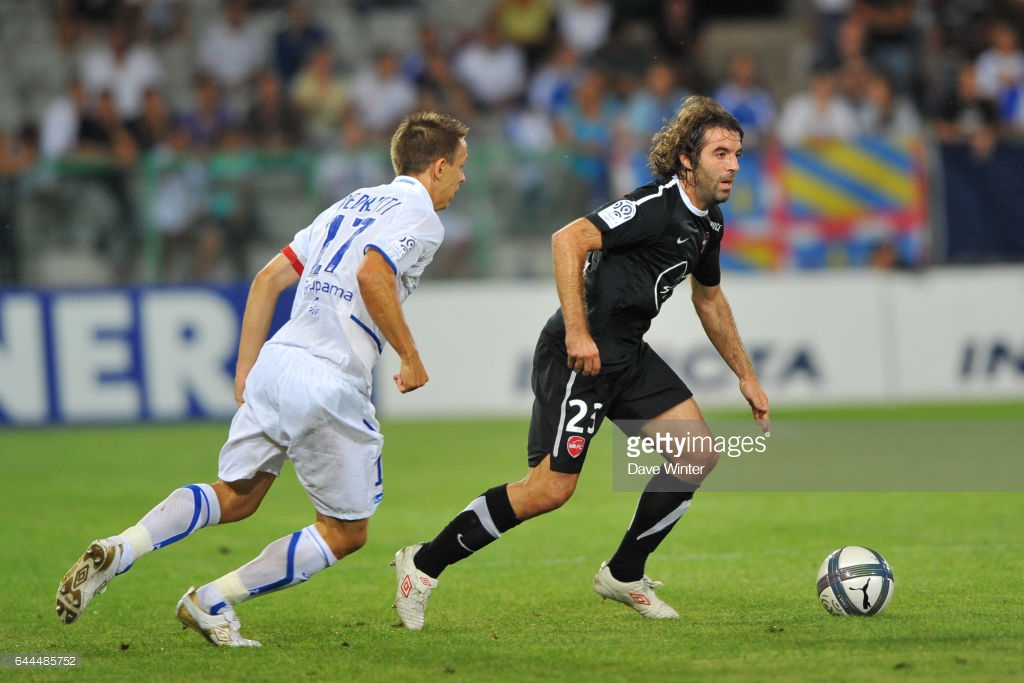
(758, 400)
(412, 375)
(240, 387)
(584, 357)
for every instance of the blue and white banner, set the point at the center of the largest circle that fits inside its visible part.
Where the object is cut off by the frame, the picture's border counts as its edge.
(120, 355)
(168, 353)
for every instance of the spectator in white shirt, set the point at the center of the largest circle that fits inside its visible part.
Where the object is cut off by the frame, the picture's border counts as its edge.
(61, 122)
(492, 69)
(585, 25)
(884, 112)
(818, 113)
(381, 95)
(232, 50)
(1000, 67)
(124, 68)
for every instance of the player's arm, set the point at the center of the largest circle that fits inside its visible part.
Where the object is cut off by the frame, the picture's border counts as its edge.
(716, 317)
(379, 290)
(275, 277)
(569, 247)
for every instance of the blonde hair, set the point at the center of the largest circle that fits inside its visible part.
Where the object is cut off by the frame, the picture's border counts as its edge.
(684, 135)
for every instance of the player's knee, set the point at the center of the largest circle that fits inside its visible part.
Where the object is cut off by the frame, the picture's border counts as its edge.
(707, 460)
(235, 505)
(237, 509)
(554, 493)
(347, 545)
(343, 538)
(704, 453)
(357, 539)
(542, 490)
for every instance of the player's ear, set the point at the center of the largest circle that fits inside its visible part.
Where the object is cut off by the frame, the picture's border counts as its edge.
(684, 161)
(437, 168)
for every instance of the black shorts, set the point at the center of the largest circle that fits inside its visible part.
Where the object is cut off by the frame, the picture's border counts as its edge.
(568, 408)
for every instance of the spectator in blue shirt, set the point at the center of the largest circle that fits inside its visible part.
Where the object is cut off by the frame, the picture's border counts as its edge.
(296, 40)
(742, 96)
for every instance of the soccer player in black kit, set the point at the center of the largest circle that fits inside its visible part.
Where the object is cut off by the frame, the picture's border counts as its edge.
(614, 268)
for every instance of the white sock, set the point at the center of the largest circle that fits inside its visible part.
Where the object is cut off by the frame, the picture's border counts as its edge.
(131, 538)
(282, 564)
(227, 590)
(182, 513)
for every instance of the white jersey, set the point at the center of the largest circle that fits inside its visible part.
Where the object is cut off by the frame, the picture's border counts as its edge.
(329, 318)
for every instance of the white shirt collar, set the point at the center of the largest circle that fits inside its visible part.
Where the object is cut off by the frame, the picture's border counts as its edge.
(409, 180)
(686, 200)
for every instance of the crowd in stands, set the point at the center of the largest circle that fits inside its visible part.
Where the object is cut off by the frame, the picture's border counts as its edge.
(593, 78)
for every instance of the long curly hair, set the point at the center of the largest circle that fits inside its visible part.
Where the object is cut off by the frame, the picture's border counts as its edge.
(684, 135)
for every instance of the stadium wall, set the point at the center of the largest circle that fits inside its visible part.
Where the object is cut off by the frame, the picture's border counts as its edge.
(849, 337)
(167, 353)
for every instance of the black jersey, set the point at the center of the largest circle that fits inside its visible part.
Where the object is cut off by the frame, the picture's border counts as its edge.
(653, 238)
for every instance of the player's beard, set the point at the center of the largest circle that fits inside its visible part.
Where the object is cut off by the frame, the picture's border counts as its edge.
(706, 187)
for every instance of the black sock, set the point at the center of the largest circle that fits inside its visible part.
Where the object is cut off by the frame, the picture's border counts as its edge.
(486, 518)
(661, 505)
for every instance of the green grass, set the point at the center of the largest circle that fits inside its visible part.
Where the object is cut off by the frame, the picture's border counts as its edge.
(740, 567)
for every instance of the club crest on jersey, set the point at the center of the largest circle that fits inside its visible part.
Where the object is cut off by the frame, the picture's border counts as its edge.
(574, 446)
(717, 227)
(618, 213)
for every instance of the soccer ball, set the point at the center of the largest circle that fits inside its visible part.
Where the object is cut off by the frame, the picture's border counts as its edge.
(855, 580)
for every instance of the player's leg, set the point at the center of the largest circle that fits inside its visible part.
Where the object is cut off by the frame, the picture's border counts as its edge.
(566, 414)
(336, 451)
(417, 566)
(286, 562)
(187, 510)
(249, 463)
(665, 498)
(494, 512)
(182, 513)
(567, 411)
(543, 489)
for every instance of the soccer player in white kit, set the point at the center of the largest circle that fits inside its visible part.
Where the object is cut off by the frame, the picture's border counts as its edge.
(304, 394)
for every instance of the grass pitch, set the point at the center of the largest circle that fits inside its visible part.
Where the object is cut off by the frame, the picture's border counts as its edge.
(740, 568)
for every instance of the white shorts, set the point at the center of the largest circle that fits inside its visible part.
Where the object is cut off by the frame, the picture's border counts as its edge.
(304, 409)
